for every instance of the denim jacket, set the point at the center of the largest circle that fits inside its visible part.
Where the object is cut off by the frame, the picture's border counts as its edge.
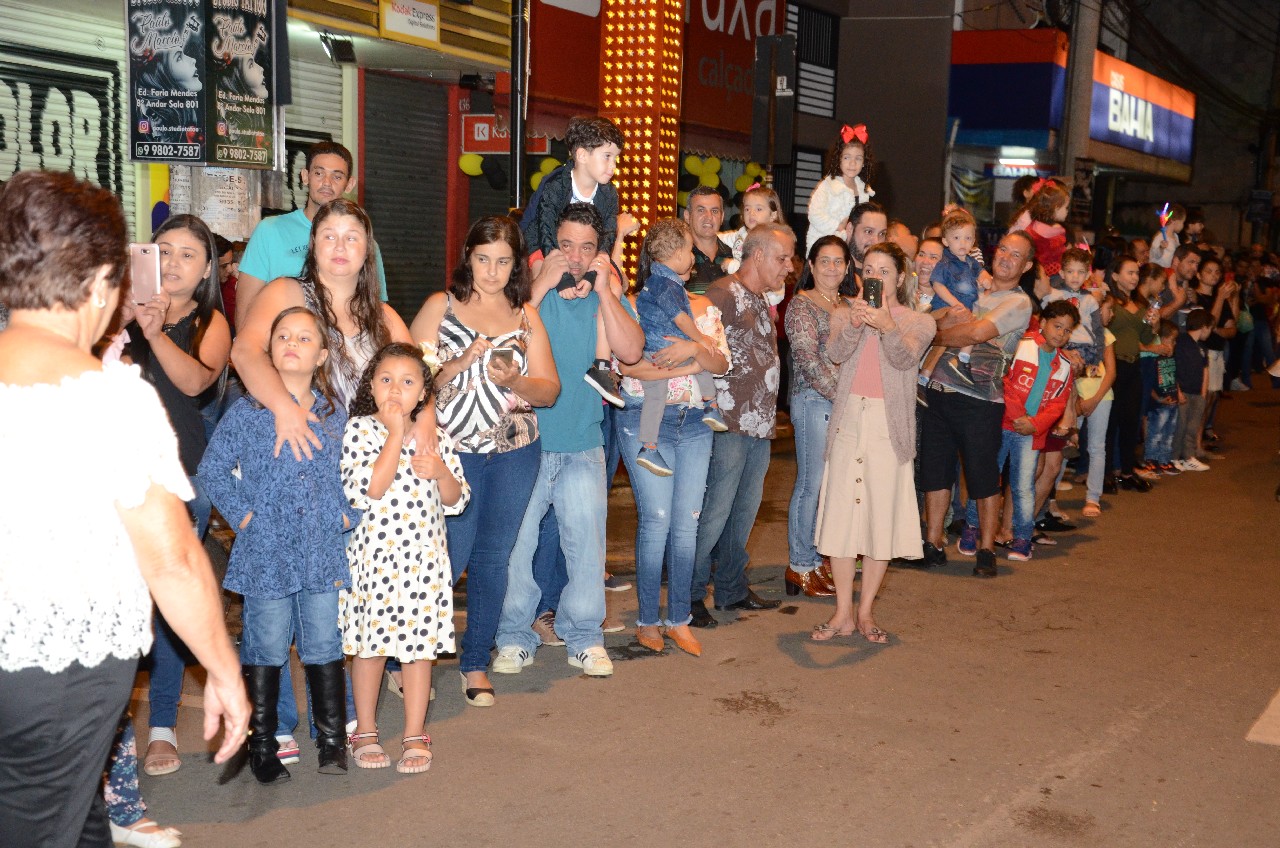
(295, 540)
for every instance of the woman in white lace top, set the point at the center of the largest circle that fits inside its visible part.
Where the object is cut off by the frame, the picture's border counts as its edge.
(93, 518)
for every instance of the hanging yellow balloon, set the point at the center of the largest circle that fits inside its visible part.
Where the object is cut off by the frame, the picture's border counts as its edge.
(470, 163)
(743, 182)
(754, 169)
(682, 198)
(693, 164)
(710, 180)
(711, 165)
(536, 180)
(548, 165)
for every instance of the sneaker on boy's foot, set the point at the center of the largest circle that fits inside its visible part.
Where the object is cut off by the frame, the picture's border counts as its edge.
(510, 660)
(1147, 471)
(934, 557)
(600, 378)
(1237, 385)
(712, 418)
(593, 662)
(545, 626)
(1193, 464)
(650, 458)
(1020, 550)
(1169, 469)
(968, 544)
(288, 752)
(986, 564)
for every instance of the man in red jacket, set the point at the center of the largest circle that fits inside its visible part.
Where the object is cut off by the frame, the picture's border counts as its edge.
(1036, 390)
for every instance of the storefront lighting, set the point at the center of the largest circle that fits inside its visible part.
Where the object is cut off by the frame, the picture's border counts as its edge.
(1017, 163)
(640, 55)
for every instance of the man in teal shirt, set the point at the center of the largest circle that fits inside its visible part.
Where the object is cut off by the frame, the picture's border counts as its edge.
(571, 478)
(278, 245)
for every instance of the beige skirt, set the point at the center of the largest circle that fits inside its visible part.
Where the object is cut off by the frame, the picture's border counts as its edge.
(867, 506)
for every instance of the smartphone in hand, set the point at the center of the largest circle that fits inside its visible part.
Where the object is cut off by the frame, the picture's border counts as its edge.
(144, 272)
(873, 292)
(505, 354)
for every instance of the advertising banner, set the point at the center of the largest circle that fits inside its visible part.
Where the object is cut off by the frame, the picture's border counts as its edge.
(1134, 109)
(410, 22)
(167, 80)
(240, 110)
(719, 60)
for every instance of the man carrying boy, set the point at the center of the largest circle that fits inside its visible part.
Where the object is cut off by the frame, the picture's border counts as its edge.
(1036, 390)
(570, 479)
(1192, 366)
(963, 417)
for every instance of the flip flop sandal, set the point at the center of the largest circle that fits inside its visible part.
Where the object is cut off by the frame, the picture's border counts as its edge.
(876, 636)
(408, 754)
(825, 633)
(1043, 539)
(357, 754)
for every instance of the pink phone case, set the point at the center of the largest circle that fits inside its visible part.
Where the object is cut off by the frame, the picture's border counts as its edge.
(144, 272)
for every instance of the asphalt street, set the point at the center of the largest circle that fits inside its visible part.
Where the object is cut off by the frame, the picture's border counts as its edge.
(1098, 695)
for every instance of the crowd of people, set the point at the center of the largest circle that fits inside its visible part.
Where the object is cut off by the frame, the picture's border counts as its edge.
(368, 465)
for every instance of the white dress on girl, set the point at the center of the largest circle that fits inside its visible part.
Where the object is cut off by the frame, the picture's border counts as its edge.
(401, 600)
(830, 205)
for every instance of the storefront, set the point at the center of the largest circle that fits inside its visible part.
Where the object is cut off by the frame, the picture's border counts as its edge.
(64, 105)
(1007, 93)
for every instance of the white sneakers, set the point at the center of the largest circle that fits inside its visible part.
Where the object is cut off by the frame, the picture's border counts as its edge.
(510, 660)
(593, 661)
(1191, 464)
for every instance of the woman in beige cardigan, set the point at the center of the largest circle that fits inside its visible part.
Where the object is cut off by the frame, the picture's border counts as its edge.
(867, 506)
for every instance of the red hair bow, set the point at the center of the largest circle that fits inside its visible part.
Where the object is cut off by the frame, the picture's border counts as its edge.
(1039, 184)
(752, 187)
(848, 133)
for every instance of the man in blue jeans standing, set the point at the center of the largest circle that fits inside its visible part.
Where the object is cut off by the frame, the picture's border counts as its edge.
(571, 478)
(748, 398)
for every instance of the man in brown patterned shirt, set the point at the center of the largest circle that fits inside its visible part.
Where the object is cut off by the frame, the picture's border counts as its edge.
(748, 398)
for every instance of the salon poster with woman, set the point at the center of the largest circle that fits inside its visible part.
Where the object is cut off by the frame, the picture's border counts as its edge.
(240, 107)
(166, 43)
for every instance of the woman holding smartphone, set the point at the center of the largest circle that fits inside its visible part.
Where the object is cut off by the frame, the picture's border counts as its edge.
(181, 340)
(495, 366)
(867, 507)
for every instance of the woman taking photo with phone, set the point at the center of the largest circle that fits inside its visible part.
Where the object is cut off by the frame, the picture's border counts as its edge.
(74, 581)
(867, 507)
(495, 366)
(181, 340)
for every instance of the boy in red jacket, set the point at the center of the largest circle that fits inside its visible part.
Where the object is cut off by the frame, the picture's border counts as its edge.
(1036, 390)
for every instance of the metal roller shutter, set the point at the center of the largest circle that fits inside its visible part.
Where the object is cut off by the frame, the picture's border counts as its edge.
(62, 97)
(405, 134)
(315, 115)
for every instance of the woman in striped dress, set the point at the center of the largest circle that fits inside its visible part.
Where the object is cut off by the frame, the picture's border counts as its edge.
(495, 366)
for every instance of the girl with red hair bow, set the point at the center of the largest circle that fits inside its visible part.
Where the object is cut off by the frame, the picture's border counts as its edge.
(848, 172)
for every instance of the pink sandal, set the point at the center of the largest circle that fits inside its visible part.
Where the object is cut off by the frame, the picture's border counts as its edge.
(414, 754)
(358, 754)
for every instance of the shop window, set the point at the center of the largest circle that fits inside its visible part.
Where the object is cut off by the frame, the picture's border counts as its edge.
(817, 46)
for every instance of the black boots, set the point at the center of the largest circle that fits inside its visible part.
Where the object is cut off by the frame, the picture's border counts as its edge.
(263, 683)
(329, 707)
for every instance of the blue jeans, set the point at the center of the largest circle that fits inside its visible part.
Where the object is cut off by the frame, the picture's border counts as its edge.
(199, 507)
(1162, 420)
(735, 484)
(810, 414)
(549, 569)
(1017, 449)
(482, 536)
(1097, 442)
(169, 659)
(572, 483)
(667, 509)
(272, 624)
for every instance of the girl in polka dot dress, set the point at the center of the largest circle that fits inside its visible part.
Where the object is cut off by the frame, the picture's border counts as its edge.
(400, 604)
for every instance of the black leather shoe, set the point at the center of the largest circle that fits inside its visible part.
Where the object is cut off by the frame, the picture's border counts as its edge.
(986, 564)
(701, 618)
(329, 709)
(751, 603)
(1133, 483)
